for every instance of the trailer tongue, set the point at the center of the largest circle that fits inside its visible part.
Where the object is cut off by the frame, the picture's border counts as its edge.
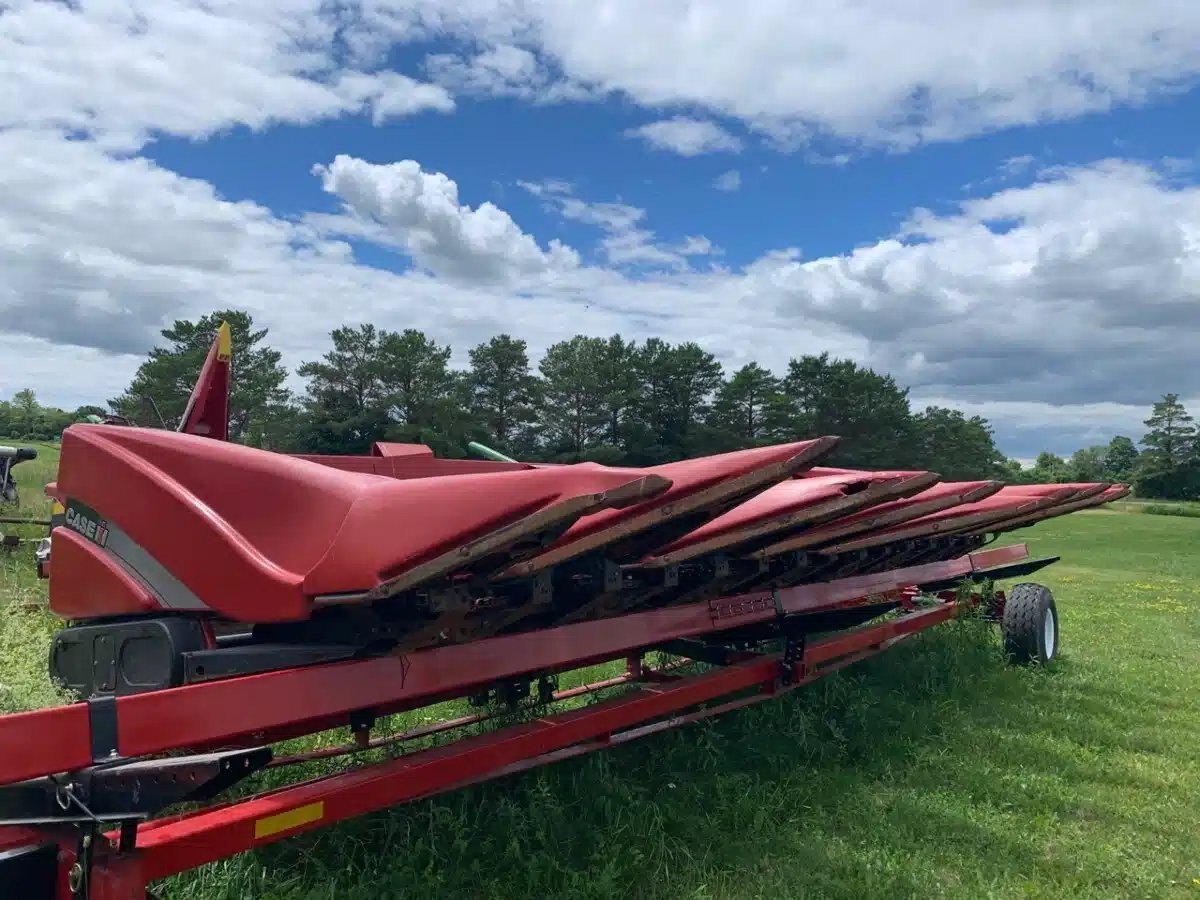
(220, 600)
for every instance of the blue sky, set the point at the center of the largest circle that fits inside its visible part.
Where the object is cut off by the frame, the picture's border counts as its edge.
(997, 205)
(785, 198)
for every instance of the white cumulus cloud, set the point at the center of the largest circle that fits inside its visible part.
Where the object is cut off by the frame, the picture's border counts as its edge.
(879, 71)
(1055, 308)
(421, 212)
(1064, 304)
(122, 71)
(1081, 285)
(687, 137)
(626, 241)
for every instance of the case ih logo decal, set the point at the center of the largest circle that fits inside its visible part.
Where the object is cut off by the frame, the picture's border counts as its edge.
(87, 522)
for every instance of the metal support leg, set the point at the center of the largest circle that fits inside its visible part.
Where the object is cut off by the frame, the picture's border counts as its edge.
(793, 653)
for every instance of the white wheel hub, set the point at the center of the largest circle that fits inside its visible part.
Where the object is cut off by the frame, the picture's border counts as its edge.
(1049, 633)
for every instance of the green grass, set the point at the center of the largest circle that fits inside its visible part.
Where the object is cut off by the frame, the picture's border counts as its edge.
(32, 477)
(1184, 508)
(25, 626)
(934, 770)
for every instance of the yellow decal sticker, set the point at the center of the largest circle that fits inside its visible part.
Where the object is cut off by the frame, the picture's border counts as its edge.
(286, 821)
(224, 343)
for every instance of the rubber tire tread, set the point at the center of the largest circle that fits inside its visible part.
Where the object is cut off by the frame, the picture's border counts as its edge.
(1025, 609)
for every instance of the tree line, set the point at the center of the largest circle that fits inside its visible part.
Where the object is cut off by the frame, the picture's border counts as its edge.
(603, 399)
(1167, 467)
(23, 418)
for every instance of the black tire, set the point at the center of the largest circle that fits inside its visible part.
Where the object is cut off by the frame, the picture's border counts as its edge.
(1030, 624)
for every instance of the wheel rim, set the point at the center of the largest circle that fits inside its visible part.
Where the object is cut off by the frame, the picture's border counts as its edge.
(1049, 633)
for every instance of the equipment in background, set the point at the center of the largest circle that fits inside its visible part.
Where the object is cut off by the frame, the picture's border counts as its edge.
(10, 497)
(10, 458)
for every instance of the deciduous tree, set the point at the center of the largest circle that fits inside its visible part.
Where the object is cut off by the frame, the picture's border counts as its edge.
(1120, 460)
(1049, 468)
(1087, 464)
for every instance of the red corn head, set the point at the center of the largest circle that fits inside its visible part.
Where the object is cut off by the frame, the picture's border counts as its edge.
(779, 510)
(701, 489)
(1084, 499)
(157, 520)
(967, 518)
(945, 495)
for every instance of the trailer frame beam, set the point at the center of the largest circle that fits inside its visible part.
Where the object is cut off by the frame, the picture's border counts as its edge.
(268, 707)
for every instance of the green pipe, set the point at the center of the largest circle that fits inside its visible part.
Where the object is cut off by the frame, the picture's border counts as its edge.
(488, 452)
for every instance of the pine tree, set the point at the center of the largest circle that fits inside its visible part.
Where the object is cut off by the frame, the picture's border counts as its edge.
(345, 407)
(573, 411)
(504, 393)
(1170, 465)
(749, 408)
(162, 384)
(868, 411)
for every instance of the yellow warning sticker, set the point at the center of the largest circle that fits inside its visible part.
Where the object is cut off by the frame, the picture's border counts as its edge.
(286, 821)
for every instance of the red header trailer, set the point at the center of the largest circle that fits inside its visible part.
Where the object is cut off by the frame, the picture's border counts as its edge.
(220, 600)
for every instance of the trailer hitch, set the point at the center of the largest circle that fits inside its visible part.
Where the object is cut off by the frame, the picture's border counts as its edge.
(121, 793)
(126, 791)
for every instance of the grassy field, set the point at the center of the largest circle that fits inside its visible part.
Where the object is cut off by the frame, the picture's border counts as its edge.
(933, 771)
(1185, 509)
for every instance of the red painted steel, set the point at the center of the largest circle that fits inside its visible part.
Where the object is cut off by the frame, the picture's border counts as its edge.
(218, 515)
(826, 471)
(207, 411)
(85, 581)
(876, 636)
(1087, 501)
(708, 485)
(709, 710)
(866, 588)
(176, 844)
(272, 705)
(415, 465)
(16, 837)
(1076, 490)
(322, 696)
(967, 517)
(288, 532)
(185, 843)
(44, 742)
(942, 496)
(784, 507)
